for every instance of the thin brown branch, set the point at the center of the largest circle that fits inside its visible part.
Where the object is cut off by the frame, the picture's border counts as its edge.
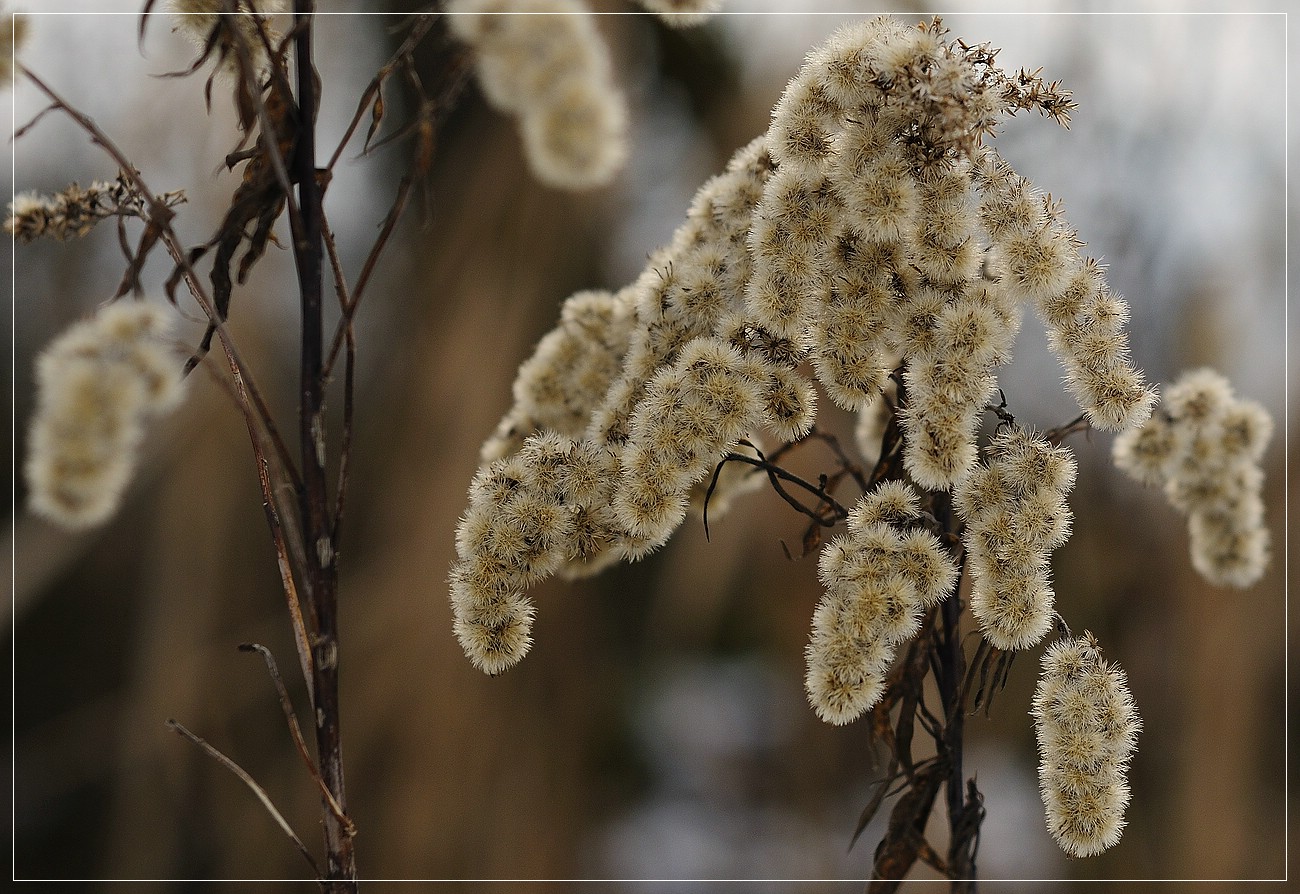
(256, 789)
(291, 720)
(776, 474)
(302, 640)
(1055, 436)
(349, 379)
(421, 26)
(349, 306)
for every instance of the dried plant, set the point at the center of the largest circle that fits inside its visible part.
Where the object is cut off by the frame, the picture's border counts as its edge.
(101, 378)
(870, 248)
(872, 242)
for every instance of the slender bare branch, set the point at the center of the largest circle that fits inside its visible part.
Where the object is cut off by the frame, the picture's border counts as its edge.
(420, 27)
(259, 423)
(256, 789)
(291, 720)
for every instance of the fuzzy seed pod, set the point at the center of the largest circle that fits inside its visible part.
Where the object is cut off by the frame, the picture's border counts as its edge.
(1016, 514)
(1203, 446)
(97, 385)
(543, 61)
(199, 20)
(569, 372)
(682, 13)
(1086, 725)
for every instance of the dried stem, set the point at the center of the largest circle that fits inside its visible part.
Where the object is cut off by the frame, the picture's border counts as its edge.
(307, 228)
(291, 720)
(253, 787)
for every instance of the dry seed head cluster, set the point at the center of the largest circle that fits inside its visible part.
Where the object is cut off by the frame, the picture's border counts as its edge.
(870, 228)
(13, 32)
(543, 61)
(890, 232)
(1016, 514)
(239, 20)
(75, 211)
(1086, 725)
(1204, 446)
(879, 579)
(682, 13)
(97, 385)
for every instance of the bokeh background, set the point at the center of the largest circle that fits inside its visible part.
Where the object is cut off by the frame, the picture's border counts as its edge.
(658, 729)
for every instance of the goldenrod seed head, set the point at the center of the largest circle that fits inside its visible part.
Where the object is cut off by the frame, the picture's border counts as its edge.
(577, 140)
(804, 121)
(1198, 397)
(96, 385)
(1228, 550)
(843, 683)
(923, 560)
(881, 197)
(1148, 453)
(790, 403)
(891, 502)
(986, 489)
(1086, 726)
(939, 444)
(1246, 428)
(496, 646)
(1030, 463)
(1042, 520)
(1039, 264)
(682, 13)
(1013, 607)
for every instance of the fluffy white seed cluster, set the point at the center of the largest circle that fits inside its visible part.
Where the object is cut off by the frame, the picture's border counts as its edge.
(889, 231)
(619, 415)
(1036, 253)
(199, 19)
(13, 34)
(1016, 514)
(880, 578)
(1204, 446)
(544, 62)
(97, 385)
(570, 370)
(75, 211)
(529, 514)
(859, 234)
(1087, 726)
(682, 13)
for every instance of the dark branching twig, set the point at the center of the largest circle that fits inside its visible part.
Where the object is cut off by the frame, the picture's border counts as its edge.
(257, 418)
(291, 720)
(256, 789)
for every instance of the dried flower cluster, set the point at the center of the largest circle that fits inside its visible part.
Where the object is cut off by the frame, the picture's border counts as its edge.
(1087, 727)
(632, 384)
(75, 211)
(1204, 446)
(869, 229)
(1016, 513)
(13, 32)
(879, 578)
(891, 232)
(682, 13)
(97, 385)
(217, 24)
(543, 61)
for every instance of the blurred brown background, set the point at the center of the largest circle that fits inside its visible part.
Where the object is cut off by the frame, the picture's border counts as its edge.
(658, 729)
